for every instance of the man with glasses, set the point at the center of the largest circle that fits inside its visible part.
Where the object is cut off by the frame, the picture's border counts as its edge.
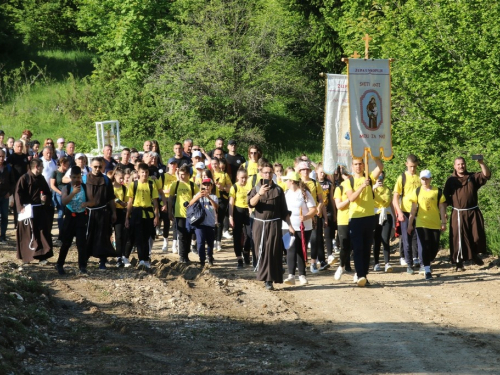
(7, 185)
(252, 165)
(268, 200)
(102, 213)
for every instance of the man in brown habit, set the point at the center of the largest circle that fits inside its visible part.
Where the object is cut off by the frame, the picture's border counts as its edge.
(467, 236)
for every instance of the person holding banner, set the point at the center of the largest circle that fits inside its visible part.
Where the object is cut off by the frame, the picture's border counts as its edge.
(406, 184)
(361, 215)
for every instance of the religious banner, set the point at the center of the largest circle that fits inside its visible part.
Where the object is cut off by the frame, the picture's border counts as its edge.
(369, 91)
(337, 140)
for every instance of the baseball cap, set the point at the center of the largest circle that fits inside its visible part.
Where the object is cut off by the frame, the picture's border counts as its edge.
(200, 165)
(426, 174)
(172, 161)
(61, 140)
(197, 154)
(79, 155)
(303, 165)
(206, 181)
(291, 175)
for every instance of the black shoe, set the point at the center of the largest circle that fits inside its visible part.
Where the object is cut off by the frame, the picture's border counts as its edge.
(210, 261)
(348, 268)
(367, 283)
(83, 270)
(269, 285)
(428, 276)
(323, 265)
(240, 263)
(460, 267)
(246, 257)
(477, 260)
(183, 260)
(60, 269)
(202, 264)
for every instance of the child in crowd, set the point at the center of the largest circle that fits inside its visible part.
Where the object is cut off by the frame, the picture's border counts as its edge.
(121, 232)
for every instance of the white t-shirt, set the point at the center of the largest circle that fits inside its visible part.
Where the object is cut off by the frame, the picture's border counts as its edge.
(49, 166)
(294, 201)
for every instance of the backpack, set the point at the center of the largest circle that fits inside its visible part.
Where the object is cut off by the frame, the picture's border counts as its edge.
(150, 183)
(440, 193)
(196, 213)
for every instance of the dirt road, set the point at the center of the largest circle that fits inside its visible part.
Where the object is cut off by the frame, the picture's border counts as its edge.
(219, 320)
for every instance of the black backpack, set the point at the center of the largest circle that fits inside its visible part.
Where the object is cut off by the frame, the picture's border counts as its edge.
(196, 213)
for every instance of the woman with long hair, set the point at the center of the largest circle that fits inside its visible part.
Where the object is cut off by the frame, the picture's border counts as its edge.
(49, 142)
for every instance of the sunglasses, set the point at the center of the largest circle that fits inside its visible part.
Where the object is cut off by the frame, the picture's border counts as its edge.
(49, 143)
(96, 166)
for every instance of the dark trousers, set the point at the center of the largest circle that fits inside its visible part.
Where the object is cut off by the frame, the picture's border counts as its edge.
(429, 241)
(242, 232)
(57, 200)
(221, 214)
(329, 232)
(143, 230)
(205, 236)
(317, 244)
(345, 245)
(382, 236)
(295, 254)
(4, 214)
(361, 231)
(411, 248)
(121, 232)
(164, 217)
(74, 225)
(183, 237)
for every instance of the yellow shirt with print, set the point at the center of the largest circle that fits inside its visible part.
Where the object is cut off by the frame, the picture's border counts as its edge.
(121, 195)
(184, 195)
(252, 168)
(314, 188)
(169, 180)
(428, 215)
(364, 205)
(222, 178)
(411, 184)
(383, 198)
(143, 196)
(240, 196)
(343, 214)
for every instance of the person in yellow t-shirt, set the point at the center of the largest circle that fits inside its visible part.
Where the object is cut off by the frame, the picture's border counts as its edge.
(143, 211)
(342, 204)
(239, 218)
(252, 165)
(429, 209)
(361, 215)
(121, 232)
(169, 178)
(402, 190)
(181, 192)
(384, 224)
(318, 259)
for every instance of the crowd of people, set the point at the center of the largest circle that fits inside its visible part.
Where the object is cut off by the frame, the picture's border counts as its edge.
(284, 221)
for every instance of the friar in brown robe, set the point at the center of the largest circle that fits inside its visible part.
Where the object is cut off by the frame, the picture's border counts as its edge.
(467, 235)
(34, 238)
(269, 203)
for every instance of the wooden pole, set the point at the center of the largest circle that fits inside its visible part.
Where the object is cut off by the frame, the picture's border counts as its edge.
(367, 171)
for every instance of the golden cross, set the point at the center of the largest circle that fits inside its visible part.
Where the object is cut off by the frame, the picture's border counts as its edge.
(108, 138)
(367, 39)
(356, 55)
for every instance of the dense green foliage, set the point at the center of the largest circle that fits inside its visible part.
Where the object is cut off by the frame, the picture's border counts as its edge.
(249, 70)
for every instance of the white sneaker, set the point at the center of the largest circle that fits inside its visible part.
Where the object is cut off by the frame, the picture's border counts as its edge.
(164, 248)
(227, 235)
(377, 268)
(314, 268)
(290, 280)
(303, 280)
(43, 262)
(361, 281)
(331, 260)
(388, 268)
(218, 246)
(175, 250)
(355, 278)
(402, 261)
(158, 231)
(126, 262)
(338, 273)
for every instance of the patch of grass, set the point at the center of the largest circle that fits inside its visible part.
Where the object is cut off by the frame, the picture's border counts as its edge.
(493, 240)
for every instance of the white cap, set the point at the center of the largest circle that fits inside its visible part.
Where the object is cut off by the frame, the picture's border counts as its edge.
(79, 155)
(61, 140)
(426, 174)
(197, 154)
(199, 165)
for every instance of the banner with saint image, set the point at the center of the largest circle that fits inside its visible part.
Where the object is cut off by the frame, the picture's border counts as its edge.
(369, 91)
(337, 140)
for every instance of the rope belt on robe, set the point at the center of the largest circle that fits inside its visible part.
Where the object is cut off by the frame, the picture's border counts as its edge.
(460, 230)
(90, 214)
(262, 239)
(28, 222)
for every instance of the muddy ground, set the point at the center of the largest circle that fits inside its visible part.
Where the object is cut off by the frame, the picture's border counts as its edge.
(181, 319)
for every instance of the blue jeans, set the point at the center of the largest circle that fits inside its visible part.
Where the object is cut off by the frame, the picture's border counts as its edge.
(4, 213)
(60, 212)
(205, 235)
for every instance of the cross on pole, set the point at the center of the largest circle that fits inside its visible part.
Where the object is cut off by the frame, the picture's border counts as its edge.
(108, 137)
(356, 55)
(367, 39)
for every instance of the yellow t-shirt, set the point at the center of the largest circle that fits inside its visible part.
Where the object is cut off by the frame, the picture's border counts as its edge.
(169, 179)
(364, 205)
(411, 184)
(314, 188)
(383, 198)
(282, 184)
(240, 197)
(223, 178)
(250, 183)
(343, 214)
(121, 195)
(428, 215)
(142, 196)
(253, 168)
(183, 195)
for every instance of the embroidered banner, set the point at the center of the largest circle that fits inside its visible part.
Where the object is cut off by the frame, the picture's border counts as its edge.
(370, 107)
(337, 140)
